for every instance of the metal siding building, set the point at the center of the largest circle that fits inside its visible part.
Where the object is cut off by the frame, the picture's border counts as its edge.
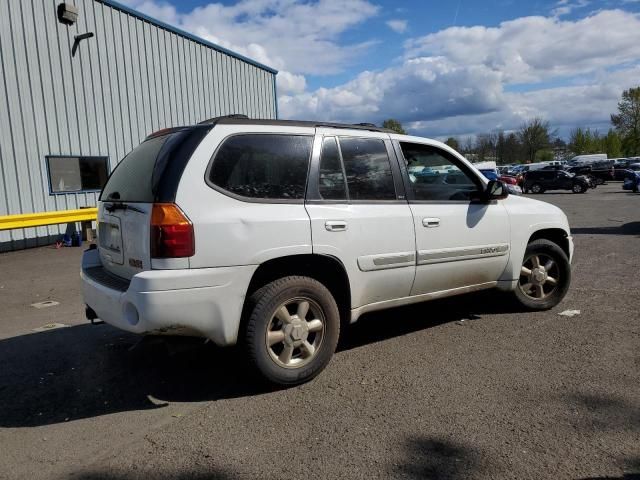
(135, 76)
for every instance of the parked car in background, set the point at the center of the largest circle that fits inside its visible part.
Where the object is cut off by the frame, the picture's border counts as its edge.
(540, 181)
(632, 181)
(594, 157)
(601, 171)
(620, 167)
(510, 182)
(276, 234)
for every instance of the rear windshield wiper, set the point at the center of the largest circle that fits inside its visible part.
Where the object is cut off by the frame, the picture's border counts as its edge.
(122, 206)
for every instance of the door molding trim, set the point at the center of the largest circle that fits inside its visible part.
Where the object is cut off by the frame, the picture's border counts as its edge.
(429, 257)
(385, 261)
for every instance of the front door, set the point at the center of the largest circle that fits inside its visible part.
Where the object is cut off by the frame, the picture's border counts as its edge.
(461, 242)
(359, 214)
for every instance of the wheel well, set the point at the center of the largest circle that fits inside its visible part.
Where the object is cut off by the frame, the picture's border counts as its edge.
(326, 269)
(555, 235)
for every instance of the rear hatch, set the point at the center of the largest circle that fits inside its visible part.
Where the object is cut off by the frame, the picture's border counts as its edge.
(149, 174)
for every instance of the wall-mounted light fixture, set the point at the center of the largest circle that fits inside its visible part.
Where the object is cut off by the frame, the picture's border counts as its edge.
(67, 13)
(77, 39)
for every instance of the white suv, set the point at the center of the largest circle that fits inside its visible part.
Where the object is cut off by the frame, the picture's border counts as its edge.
(273, 234)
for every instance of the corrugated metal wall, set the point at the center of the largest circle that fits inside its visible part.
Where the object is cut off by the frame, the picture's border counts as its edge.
(132, 78)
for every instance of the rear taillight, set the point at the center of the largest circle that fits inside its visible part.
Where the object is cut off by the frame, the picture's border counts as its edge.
(171, 232)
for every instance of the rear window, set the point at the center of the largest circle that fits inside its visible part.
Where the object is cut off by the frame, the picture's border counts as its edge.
(152, 171)
(266, 166)
(131, 180)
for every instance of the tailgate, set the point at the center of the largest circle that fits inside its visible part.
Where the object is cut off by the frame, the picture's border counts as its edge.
(123, 238)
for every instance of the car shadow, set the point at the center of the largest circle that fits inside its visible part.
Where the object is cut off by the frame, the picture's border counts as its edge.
(631, 228)
(386, 324)
(86, 371)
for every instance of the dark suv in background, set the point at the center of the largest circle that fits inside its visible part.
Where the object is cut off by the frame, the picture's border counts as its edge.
(601, 171)
(538, 181)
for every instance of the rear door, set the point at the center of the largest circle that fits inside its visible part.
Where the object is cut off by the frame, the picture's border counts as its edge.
(359, 213)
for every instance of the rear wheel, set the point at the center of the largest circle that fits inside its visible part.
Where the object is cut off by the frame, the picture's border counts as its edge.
(292, 330)
(545, 276)
(537, 188)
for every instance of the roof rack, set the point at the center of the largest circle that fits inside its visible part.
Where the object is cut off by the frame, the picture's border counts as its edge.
(214, 120)
(241, 119)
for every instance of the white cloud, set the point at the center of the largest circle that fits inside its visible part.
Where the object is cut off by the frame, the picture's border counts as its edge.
(289, 83)
(398, 26)
(565, 7)
(298, 36)
(459, 80)
(531, 49)
(418, 89)
(564, 107)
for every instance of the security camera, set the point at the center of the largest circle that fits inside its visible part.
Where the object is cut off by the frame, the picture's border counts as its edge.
(67, 13)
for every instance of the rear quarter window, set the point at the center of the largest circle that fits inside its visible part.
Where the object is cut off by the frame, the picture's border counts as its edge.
(262, 166)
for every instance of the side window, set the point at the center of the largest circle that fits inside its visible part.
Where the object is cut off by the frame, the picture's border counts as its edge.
(331, 184)
(433, 174)
(368, 170)
(263, 166)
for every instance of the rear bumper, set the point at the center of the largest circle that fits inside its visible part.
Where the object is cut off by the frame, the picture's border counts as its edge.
(205, 302)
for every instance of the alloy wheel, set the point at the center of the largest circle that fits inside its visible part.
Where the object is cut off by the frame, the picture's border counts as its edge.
(539, 276)
(295, 332)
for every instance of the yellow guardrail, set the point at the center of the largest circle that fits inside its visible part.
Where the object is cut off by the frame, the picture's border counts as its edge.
(26, 220)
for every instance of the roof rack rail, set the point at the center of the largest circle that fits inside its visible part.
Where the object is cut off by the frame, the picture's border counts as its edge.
(214, 120)
(365, 124)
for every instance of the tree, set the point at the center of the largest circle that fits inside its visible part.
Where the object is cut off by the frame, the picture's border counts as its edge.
(534, 136)
(627, 121)
(578, 142)
(486, 145)
(612, 144)
(394, 125)
(453, 143)
(511, 150)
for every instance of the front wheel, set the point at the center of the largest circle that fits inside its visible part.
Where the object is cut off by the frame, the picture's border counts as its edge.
(545, 276)
(293, 329)
(577, 188)
(537, 188)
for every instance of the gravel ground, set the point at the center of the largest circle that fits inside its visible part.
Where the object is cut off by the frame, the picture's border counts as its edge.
(462, 388)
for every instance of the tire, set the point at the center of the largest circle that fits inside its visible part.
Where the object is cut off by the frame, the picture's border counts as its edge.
(599, 181)
(537, 188)
(288, 361)
(577, 188)
(527, 292)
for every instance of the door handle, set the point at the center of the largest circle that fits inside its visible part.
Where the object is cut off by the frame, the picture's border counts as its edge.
(335, 225)
(430, 222)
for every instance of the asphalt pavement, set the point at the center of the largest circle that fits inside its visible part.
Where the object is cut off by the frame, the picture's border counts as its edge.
(460, 388)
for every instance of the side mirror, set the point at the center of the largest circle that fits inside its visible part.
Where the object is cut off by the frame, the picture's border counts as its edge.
(496, 190)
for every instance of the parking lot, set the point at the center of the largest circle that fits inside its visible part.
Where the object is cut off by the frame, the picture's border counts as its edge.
(460, 388)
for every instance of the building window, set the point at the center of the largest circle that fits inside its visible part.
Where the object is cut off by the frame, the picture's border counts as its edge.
(77, 174)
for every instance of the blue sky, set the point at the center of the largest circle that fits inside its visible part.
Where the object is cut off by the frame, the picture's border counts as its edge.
(442, 68)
